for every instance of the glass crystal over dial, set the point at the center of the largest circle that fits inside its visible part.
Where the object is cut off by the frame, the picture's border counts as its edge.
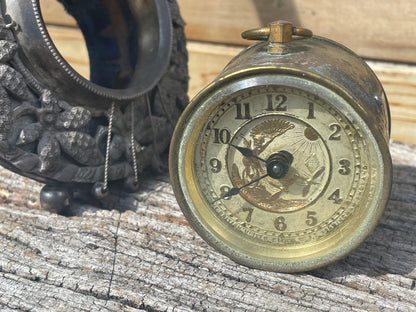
(273, 173)
(237, 175)
(282, 162)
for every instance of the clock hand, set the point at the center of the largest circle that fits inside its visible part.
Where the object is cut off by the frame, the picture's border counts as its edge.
(236, 190)
(246, 152)
(277, 168)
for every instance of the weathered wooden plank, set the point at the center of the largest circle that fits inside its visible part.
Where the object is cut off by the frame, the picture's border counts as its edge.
(377, 29)
(399, 81)
(143, 256)
(207, 60)
(54, 13)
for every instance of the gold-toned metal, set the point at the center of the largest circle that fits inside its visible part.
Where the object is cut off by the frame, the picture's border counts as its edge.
(280, 32)
(277, 32)
(282, 163)
(273, 194)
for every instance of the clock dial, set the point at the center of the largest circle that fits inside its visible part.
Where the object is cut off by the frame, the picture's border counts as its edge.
(282, 162)
(242, 136)
(278, 176)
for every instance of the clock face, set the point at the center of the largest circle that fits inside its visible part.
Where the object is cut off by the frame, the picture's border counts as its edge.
(279, 177)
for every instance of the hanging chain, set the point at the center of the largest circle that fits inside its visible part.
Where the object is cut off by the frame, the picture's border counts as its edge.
(133, 147)
(107, 150)
(132, 143)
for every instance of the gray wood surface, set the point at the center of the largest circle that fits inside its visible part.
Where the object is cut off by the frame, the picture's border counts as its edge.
(143, 256)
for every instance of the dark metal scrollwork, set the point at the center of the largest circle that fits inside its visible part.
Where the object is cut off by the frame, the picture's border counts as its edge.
(58, 138)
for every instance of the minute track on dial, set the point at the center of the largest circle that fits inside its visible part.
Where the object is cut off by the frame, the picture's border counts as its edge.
(306, 178)
(298, 98)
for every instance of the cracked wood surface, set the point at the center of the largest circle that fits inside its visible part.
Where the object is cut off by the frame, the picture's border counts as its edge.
(143, 256)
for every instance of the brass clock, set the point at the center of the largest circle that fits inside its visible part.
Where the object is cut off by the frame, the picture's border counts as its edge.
(282, 163)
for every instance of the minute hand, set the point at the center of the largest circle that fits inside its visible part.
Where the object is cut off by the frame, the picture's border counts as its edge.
(236, 190)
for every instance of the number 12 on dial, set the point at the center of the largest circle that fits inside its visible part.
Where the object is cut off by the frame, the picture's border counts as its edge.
(274, 164)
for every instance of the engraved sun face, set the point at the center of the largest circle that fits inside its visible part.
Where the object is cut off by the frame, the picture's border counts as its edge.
(278, 165)
(272, 174)
(310, 134)
(266, 136)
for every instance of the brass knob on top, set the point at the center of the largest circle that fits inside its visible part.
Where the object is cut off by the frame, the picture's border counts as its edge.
(277, 32)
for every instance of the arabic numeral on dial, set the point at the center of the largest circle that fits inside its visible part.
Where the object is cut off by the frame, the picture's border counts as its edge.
(336, 132)
(250, 213)
(243, 111)
(311, 220)
(216, 165)
(311, 111)
(336, 197)
(279, 223)
(344, 167)
(276, 104)
(222, 136)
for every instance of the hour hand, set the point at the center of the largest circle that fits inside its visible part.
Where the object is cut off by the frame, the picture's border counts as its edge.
(246, 152)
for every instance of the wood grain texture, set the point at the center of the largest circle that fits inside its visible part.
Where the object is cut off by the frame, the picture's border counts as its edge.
(377, 29)
(142, 255)
(71, 45)
(206, 61)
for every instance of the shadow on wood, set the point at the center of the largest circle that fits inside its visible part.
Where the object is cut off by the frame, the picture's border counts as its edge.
(278, 9)
(143, 255)
(391, 248)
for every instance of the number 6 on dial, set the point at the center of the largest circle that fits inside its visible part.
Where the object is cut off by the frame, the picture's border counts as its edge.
(276, 164)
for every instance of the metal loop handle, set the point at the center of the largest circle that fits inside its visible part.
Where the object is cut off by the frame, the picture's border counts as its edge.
(256, 34)
(278, 32)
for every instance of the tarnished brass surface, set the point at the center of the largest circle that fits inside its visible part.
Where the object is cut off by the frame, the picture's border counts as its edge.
(282, 162)
(277, 32)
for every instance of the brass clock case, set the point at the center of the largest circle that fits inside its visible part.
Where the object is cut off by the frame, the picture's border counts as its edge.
(282, 163)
